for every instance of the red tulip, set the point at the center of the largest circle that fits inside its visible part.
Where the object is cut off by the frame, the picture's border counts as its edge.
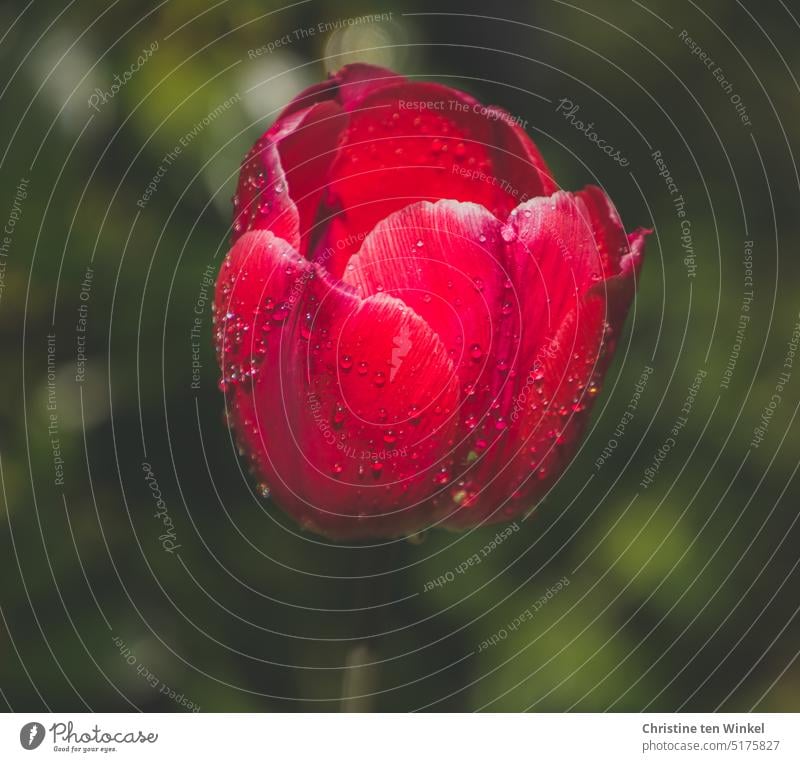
(413, 321)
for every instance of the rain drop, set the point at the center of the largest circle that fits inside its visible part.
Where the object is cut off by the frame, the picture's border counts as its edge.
(508, 233)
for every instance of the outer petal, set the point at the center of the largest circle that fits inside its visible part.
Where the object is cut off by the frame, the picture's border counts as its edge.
(574, 272)
(282, 177)
(342, 403)
(261, 201)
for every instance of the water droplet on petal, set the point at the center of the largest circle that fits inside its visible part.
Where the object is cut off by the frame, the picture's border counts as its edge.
(281, 313)
(338, 414)
(508, 233)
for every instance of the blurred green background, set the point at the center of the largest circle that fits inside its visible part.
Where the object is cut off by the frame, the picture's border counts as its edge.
(680, 595)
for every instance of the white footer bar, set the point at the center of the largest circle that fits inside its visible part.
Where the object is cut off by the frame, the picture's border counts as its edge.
(402, 737)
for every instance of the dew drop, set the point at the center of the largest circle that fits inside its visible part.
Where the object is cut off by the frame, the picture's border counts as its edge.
(508, 233)
(305, 326)
(338, 414)
(281, 313)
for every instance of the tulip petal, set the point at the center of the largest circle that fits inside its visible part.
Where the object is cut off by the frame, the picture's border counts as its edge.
(442, 260)
(343, 403)
(421, 141)
(445, 260)
(282, 177)
(574, 272)
(261, 201)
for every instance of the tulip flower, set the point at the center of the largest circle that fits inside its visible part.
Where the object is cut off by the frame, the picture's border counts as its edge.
(413, 320)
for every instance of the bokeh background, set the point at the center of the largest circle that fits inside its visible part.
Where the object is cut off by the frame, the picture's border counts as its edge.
(680, 595)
